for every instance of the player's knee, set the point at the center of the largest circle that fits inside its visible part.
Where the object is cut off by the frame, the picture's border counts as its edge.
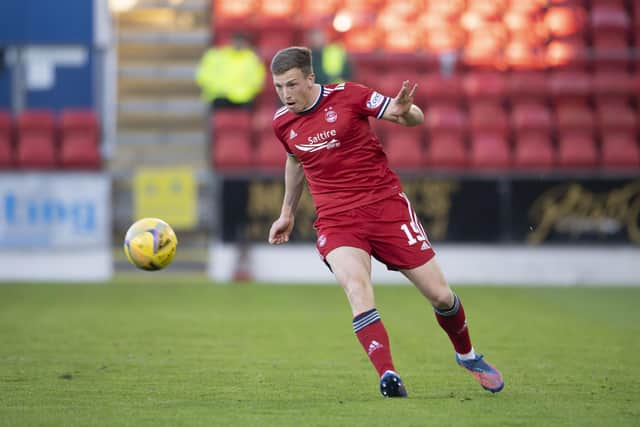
(443, 299)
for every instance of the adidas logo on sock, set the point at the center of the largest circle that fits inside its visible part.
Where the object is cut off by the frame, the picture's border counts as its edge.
(373, 346)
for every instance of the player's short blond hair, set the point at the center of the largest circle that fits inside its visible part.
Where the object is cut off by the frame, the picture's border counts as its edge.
(292, 57)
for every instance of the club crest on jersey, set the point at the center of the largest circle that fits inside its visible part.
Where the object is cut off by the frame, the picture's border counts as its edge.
(375, 100)
(330, 116)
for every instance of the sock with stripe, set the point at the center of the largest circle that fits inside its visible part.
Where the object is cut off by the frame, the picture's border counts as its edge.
(454, 323)
(374, 339)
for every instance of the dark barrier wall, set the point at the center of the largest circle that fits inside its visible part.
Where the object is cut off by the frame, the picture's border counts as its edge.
(467, 210)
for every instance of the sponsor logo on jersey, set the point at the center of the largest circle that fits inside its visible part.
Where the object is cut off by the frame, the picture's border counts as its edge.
(292, 134)
(375, 100)
(315, 146)
(330, 116)
(320, 141)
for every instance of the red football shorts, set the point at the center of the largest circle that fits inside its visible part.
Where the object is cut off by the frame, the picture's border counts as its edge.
(389, 230)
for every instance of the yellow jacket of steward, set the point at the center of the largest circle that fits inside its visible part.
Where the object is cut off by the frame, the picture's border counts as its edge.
(237, 75)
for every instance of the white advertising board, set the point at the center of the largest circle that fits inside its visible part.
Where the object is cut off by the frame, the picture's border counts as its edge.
(55, 226)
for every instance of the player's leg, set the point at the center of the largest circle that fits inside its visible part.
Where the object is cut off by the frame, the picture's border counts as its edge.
(430, 281)
(352, 268)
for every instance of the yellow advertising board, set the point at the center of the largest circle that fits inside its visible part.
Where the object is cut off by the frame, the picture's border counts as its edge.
(167, 193)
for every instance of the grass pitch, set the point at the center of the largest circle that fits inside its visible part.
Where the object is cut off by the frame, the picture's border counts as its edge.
(178, 351)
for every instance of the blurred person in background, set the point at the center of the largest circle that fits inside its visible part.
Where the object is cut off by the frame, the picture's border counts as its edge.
(331, 60)
(231, 76)
(361, 209)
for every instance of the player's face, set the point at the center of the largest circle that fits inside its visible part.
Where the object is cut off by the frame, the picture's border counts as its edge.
(294, 89)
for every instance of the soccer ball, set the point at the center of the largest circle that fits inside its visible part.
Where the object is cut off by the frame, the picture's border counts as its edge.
(150, 244)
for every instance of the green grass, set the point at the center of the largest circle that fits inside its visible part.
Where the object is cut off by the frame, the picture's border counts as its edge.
(185, 352)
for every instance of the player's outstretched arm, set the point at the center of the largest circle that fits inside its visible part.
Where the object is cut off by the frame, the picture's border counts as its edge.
(293, 186)
(402, 110)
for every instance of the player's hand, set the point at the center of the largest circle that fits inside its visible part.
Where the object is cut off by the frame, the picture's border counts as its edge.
(404, 100)
(280, 230)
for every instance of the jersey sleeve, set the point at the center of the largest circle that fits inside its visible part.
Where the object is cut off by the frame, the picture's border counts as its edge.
(278, 133)
(368, 102)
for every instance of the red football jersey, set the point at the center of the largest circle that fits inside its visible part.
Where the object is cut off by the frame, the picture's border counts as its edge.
(342, 158)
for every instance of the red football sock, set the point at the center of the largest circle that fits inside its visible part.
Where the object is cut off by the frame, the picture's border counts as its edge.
(454, 323)
(374, 339)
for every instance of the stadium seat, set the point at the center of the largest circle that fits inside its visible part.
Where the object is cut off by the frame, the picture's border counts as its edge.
(363, 40)
(439, 87)
(446, 150)
(6, 140)
(522, 55)
(620, 150)
(404, 147)
(488, 116)
(232, 149)
(270, 40)
(270, 154)
(36, 146)
(609, 17)
(564, 21)
(567, 85)
(571, 117)
(530, 116)
(231, 118)
(615, 116)
(78, 152)
(612, 84)
(484, 84)
(317, 13)
(489, 150)
(533, 151)
(577, 149)
(570, 54)
(79, 139)
(447, 118)
(527, 85)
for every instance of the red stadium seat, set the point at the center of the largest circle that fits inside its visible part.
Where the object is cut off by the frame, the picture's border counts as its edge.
(404, 147)
(488, 117)
(609, 17)
(612, 84)
(439, 87)
(6, 140)
(620, 150)
(232, 149)
(78, 152)
(36, 140)
(533, 151)
(570, 85)
(231, 118)
(570, 117)
(528, 84)
(567, 54)
(577, 149)
(79, 139)
(484, 84)
(489, 150)
(614, 116)
(563, 21)
(531, 116)
(446, 150)
(270, 153)
(446, 118)
(270, 40)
